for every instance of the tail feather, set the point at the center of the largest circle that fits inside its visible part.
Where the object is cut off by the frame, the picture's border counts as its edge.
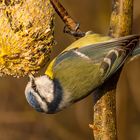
(136, 51)
(116, 57)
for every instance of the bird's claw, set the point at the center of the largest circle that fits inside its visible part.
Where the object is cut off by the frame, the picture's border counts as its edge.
(74, 32)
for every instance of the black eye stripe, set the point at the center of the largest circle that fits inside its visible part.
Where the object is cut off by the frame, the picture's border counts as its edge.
(34, 87)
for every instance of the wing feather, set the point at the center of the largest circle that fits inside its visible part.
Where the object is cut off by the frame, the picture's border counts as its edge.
(117, 50)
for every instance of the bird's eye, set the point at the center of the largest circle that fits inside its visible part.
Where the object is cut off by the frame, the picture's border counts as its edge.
(33, 85)
(36, 90)
(43, 98)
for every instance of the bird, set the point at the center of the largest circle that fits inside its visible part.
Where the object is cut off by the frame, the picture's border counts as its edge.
(78, 71)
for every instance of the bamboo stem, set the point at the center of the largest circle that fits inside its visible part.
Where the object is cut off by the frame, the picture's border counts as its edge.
(104, 125)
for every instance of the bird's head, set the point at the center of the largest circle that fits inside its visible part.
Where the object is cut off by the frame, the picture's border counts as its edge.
(39, 93)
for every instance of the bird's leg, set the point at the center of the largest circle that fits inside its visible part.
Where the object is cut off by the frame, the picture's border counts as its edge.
(75, 32)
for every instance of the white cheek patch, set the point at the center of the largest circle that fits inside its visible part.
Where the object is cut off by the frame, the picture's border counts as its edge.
(50, 98)
(45, 87)
(42, 104)
(39, 101)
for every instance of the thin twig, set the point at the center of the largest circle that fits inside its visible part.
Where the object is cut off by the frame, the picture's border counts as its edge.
(67, 19)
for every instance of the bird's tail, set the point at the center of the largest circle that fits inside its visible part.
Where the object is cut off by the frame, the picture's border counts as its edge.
(136, 51)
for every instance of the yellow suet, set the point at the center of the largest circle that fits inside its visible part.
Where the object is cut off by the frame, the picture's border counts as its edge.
(26, 35)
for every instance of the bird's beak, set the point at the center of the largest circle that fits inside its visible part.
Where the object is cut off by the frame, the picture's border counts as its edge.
(32, 78)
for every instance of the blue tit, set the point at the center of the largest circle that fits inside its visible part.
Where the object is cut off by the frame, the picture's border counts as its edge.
(79, 70)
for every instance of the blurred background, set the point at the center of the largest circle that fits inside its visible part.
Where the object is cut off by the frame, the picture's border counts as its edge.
(18, 121)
